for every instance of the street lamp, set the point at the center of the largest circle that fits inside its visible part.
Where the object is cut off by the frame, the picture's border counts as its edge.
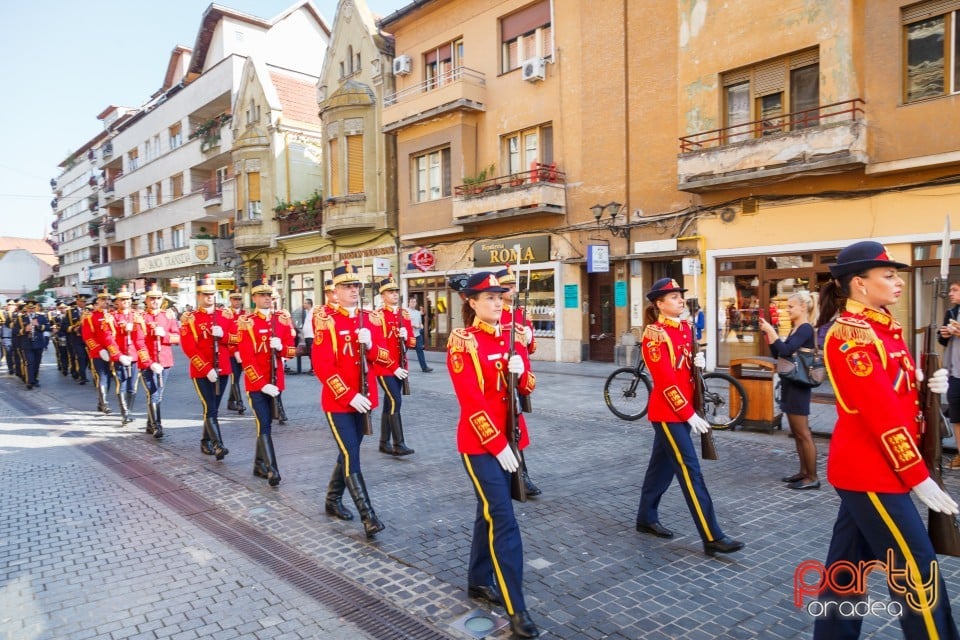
(611, 225)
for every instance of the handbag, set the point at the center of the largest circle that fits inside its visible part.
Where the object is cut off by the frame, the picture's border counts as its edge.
(805, 368)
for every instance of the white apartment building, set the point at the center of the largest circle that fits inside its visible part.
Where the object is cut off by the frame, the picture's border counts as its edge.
(168, 199)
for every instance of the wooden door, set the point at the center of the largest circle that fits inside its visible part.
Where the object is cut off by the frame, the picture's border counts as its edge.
(601, 317)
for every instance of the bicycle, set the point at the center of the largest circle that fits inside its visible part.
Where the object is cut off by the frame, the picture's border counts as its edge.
(627, 394)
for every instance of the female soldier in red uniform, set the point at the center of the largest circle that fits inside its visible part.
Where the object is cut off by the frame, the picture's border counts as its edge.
(874, 461)
(479, 363)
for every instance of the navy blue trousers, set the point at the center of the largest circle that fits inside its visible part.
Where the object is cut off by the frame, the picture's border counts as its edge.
(672, 455)
(127, 377)
(81, 360)
(102, 375)
(262, 406)
(209, 399)
(155, 384)
(496, 552)
(33, 357)
(868, 526)
(392, 395)
(347, 430)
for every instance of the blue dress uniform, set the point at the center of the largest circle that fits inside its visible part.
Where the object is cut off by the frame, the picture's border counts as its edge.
(391, 422)
(31, 327)
(667, 351)
(337, 364)
(60, 339)
(874, 461)
(79, 358)
(477, 359)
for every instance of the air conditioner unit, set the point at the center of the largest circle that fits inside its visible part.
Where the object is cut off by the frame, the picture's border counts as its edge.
(402, 65)
(534, 69)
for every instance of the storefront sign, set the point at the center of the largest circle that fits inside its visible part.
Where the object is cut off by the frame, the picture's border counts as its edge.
(423, 259)
(498, 253)
(571, 296)
(620, 293)
(99, 273)
(598, 258)
(366, 253)
(326, 258)
(381, 266)
(655, 246)
(198, 253)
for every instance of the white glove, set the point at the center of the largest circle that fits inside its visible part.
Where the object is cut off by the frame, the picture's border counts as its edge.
(919, 374)
(159, 332)
(157, 368)
(361, 403)
(125, 360)
(212, 375)
(507, 460)
(938, 381)
(129, 327)
(217, 331)
(236, 357)
(700, 360)
(271, 390)
(698, 424)
(515, 365)
(364, 337)
(276, 344)
(401, 373)
(527, 335)
(934, 497)
(403, 333)
(104, 355)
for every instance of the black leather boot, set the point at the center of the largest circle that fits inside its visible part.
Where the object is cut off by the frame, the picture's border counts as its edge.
(334, 502)
(358, 491)
(522, 626)
(130, 397)
(531, 489)
(240, 406)
(270, 459)
(216, 441)
(385, 431)
(399, 448)
(260, 468)
(151, 418)
(156, 412)
(102, 400)
(124, 415)
(205, 440)
(281, 413)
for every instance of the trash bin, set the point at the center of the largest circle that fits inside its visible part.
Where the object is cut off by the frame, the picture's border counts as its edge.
(756, 374)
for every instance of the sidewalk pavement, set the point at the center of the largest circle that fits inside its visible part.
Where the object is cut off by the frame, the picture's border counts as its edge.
(108, 533)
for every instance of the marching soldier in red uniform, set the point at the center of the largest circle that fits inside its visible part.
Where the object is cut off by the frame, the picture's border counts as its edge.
(130, 331)
(398, 336)
(235, 401)
(346, 396)
(162, 331)
(513, 313)
(99, 329)
(265, 339)
(479, 362)
(874, 461)
(667, 346)
(205, 336)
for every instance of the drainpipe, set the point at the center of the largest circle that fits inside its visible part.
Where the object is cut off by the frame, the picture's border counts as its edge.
(286, 162)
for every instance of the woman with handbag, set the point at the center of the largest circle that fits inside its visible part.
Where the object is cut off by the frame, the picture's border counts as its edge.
(795, 398)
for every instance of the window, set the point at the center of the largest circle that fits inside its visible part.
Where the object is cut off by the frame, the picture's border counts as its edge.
(133, 160)
(148, 201)
(254, 210)
(157, 189)
(441, 64)
(432, 175)
(176, 185)
(355, 164)
(156, 146)
(350, 59)
(160, 245)
(134, 203)
(253, 113)
(176, 237)
(175, 132)
(756, 98)
(222, 174)
(523, 148)
(932, 49)
(333, 159)
(147, 151)
(525, 34)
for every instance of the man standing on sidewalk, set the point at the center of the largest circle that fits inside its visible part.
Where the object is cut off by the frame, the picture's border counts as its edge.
(950, 338)
(416, 321)
(303, 321)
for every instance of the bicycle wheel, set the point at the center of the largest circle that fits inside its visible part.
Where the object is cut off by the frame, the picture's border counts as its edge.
(724, 400)
(627, 393)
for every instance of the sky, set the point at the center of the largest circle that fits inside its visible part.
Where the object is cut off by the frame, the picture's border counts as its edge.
(65, 61)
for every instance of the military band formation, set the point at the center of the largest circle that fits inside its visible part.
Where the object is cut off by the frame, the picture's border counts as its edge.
(359, 356)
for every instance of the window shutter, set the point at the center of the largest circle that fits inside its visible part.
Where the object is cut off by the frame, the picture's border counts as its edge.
(253, 186)
(770, 77)
(924, 10)
(731, 78)
(524, 21)
(547, 35)
(806, 58)
(334, 161)
(354, 164)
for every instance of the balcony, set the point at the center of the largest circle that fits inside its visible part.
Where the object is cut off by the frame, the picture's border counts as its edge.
(300, 222)
(212, 192)
(349, 214)
(542, 190)
(106, 151)
(460, 89)
(827, 139)
(251, 234)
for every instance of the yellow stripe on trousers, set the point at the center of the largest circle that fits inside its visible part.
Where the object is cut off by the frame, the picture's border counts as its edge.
(388, 395)
(203, 403)
(912, 565)
(687, 481)
(508, 605)
(255, 417)
(343, 448)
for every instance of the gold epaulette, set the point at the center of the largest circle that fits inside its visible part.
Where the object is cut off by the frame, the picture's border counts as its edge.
(376, 318)
(462, 341)
(283, 317)
(227, 313)
(86, 313)
(244, 323)
(847, 329)
(405, 314)
(186, 317)
(654, 334)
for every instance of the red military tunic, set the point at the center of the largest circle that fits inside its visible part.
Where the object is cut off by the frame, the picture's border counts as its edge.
(254, 333)
(196, 339)
(517, 314)
(667, 350)
(477, 360)
(336, 356)
(131, 330)
(98, 329)
(393, 319)
(874, 444)
(158, 348)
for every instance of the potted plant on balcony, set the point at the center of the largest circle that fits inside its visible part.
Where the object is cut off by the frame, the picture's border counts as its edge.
(474, 184)
(516, 179)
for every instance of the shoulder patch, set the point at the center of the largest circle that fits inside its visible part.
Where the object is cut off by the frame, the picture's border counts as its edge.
(461, 340)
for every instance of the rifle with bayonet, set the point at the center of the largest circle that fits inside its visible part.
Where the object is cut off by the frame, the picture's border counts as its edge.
(405, 383)
(274, 404)
(525, 404)
(708, 449)
(364, 383)
(941, 527)
(216, 350)
(518, 489)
